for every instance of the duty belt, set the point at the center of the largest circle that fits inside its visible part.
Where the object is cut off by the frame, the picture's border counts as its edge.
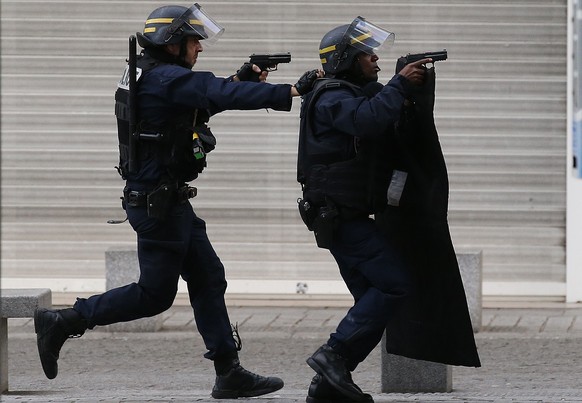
(135, 198)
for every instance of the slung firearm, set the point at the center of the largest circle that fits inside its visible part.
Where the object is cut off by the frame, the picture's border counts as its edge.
(132, 105)
(269, 61)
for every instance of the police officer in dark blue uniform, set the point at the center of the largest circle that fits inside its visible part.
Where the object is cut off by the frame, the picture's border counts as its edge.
(167, 150)
(348, 165)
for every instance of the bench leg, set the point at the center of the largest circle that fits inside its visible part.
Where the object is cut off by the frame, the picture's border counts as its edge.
(3, 355)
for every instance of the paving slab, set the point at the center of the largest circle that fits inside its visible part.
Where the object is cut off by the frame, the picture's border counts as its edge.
(520, 363)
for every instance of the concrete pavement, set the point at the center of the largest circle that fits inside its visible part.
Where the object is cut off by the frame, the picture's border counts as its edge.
(529, 354)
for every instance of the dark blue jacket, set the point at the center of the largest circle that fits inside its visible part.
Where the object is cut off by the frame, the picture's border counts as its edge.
(339, 112)
(168, 91)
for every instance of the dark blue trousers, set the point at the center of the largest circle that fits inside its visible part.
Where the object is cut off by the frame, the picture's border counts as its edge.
(167, 249)
(375, 274)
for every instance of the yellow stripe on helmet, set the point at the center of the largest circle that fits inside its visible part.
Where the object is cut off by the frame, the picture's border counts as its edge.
(328, 49)
(170, 20)
(159, 21)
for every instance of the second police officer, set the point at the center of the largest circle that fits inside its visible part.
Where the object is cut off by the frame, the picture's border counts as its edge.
(174, 104)
(369, 149)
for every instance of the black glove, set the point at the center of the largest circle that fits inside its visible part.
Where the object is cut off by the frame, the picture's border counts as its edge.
(246, 73)
(306, 81)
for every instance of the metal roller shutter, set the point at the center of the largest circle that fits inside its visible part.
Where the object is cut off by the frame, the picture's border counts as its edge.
(501, 114)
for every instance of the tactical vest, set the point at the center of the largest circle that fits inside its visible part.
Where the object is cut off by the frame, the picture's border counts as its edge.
(352, 173)
(180, 146)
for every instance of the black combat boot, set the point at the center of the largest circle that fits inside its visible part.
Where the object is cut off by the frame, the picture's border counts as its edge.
(233, 381)
(321, 391)
(53, 328)
(332, 366)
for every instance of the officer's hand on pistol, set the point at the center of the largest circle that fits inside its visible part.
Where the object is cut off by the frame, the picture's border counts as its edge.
(250, 72)
(415, 72)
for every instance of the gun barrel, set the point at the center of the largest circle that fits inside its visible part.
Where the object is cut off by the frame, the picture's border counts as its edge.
(270, 60)
(435, 56)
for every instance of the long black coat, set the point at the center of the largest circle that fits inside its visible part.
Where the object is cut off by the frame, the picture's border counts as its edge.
(435, 325)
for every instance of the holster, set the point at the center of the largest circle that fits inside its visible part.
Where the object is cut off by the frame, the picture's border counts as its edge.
(161, 200)
(324, 225)
(321, 220)
(307, 211)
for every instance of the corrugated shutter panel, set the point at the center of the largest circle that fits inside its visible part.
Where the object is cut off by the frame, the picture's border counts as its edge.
(501, 114)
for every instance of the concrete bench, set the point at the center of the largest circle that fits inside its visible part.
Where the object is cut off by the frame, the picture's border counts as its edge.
(17, 303)
(122, 268)
(406, 375)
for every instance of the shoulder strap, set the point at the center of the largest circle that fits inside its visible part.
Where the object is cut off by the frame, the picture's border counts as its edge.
(325, 84)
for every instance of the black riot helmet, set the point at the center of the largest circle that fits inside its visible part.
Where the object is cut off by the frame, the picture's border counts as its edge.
(341, 45)
(171, 24)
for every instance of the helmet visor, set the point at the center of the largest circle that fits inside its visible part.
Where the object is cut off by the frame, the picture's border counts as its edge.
(367, 37)
(195, 22)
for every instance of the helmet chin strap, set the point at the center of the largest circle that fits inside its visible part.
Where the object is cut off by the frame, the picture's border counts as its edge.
(354, 74)
(164, 55)
(183, 51)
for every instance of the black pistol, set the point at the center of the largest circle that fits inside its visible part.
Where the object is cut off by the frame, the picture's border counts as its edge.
(414, 57)
(269, 61)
